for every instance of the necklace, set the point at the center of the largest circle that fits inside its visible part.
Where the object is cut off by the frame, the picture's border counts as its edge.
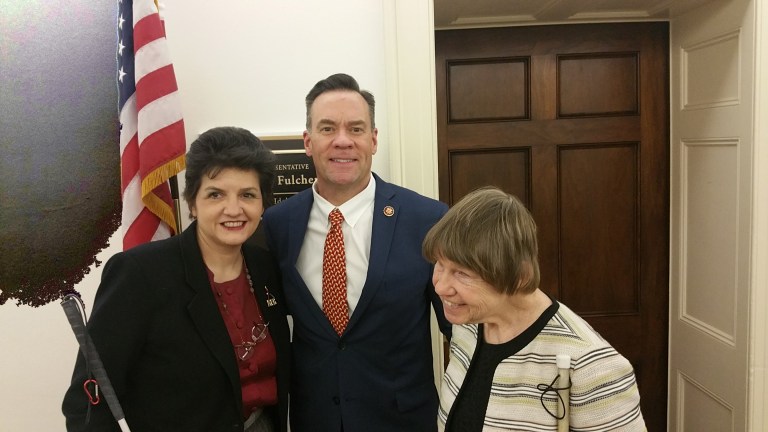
(245, 349)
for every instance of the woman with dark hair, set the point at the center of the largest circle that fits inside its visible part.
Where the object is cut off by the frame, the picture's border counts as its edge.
(505, 371)
(192, 330)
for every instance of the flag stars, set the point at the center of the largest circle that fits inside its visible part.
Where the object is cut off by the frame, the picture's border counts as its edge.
(120, 47)
(121, 74)
(120, 21)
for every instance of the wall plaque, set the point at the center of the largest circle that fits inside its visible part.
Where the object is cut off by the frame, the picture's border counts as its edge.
(294, 170)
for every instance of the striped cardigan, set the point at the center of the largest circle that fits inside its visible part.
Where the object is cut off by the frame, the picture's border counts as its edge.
(604, 395)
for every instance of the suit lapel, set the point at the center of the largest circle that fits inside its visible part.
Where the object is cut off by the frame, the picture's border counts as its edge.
(258, 277)
(297, 227)
(299, 220)
(203, 311)
(383, 231)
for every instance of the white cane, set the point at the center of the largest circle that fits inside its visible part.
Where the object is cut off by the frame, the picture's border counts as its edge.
(75, 311)
(564, 390)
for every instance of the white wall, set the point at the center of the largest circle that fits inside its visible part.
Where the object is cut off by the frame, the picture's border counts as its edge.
(252, 63)
(242, 63)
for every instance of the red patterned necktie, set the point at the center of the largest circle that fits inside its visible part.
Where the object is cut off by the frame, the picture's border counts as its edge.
(335, 275)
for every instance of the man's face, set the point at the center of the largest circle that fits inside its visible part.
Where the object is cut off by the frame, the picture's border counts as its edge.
(341, 143)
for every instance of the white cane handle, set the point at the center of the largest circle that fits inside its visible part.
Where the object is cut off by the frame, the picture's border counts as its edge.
(564, 383)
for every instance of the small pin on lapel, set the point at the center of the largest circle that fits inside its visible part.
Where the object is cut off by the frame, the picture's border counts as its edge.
(389, 211)
(270, 299)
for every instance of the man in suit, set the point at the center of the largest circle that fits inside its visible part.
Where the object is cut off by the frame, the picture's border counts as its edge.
(369, 366)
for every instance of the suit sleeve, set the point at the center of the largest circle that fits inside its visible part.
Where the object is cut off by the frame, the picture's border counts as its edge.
(437, 304)
(605, 394)
(118, 325)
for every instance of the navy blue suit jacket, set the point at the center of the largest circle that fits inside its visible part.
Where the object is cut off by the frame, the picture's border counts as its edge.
(378, 375)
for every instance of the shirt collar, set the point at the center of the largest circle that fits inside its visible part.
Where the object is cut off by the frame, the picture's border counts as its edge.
(354, 208)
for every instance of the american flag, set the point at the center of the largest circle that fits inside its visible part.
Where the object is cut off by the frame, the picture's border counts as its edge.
(152, 141)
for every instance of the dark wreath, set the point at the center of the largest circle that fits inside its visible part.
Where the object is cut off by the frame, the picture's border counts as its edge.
(59, 151)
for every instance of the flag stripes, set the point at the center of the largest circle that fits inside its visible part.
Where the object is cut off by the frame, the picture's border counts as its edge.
(152, 140)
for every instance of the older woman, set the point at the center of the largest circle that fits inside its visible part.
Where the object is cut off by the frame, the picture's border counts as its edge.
(508, 333)
(191, 330)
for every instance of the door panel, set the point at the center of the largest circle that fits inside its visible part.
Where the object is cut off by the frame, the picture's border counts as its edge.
(573, 120)
(597, 85)
(604, 281)
(506, 168)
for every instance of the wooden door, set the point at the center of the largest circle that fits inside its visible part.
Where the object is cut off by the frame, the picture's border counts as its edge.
(573, 119)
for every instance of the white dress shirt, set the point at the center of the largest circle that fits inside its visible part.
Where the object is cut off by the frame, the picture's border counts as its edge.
(357, 228)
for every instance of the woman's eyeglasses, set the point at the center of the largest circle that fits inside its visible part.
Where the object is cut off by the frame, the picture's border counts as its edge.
(244, 351)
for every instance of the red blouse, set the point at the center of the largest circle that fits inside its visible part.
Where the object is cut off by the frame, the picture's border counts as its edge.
(240, 311)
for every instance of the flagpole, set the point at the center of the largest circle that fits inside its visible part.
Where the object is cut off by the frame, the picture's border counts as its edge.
(175, 196)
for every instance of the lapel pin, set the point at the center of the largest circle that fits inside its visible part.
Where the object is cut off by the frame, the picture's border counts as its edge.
(270, 298)
(389, 211)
